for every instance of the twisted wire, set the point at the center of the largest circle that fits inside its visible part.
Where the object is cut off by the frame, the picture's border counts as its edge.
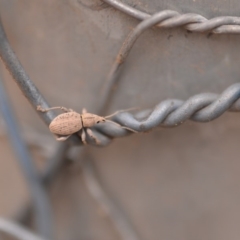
(190, 21)
(166, 19)
(203, 107)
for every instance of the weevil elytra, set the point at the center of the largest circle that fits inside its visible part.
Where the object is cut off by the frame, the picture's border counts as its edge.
(72, 122)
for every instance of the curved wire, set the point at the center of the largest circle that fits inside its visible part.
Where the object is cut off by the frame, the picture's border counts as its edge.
(21, 78)
(190, 21)
(17, 231)
(39, 196)
(113, 76)
(166, 19)
(28, 87)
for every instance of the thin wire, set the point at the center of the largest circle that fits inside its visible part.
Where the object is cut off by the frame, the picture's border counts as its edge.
(21, 78)
(99, 193)
(166, 18)
(54, 164)
(113, 76)
(203, 107)
(190, 21)
(17, 231)
(40, 200)
(27, 86)
(128, 9)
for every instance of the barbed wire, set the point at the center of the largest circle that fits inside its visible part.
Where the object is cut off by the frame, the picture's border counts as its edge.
(190, 21)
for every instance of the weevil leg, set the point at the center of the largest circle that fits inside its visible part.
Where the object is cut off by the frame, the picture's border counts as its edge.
(39, 108)
(119, 111)
(62, 138)
(83, 136)
(91, 134)
(84, 110)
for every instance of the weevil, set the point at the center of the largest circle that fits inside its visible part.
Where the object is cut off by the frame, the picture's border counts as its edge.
(72, 122)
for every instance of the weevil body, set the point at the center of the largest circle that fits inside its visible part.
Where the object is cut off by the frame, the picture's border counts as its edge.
(66, 123)
(72, 122)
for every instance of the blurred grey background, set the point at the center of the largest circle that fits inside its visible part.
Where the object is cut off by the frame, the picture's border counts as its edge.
(174, 184)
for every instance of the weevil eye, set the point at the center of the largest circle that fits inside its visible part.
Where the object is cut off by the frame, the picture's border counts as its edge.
(102, 120)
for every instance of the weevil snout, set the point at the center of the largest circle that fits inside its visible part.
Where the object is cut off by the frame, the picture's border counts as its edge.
(89, 119)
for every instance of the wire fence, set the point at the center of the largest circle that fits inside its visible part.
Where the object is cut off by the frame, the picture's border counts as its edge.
(169, 113)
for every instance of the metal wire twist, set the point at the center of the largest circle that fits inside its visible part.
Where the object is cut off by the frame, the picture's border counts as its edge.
(203, 107)
(190, 21)
(167, 18)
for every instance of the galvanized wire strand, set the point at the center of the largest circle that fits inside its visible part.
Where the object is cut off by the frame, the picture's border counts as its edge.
(99, 193)
(190, 21)
(25, 84)
(170, 112)
(17, 231)
(39, 196)
(167, 18)
(127, 9)
(35, 98)
(203, 107)
(21, 78)
(113, 76)
(28, 87)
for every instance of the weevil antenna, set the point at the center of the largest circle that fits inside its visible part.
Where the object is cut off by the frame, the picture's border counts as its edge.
(127, 128)
(119, 111)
